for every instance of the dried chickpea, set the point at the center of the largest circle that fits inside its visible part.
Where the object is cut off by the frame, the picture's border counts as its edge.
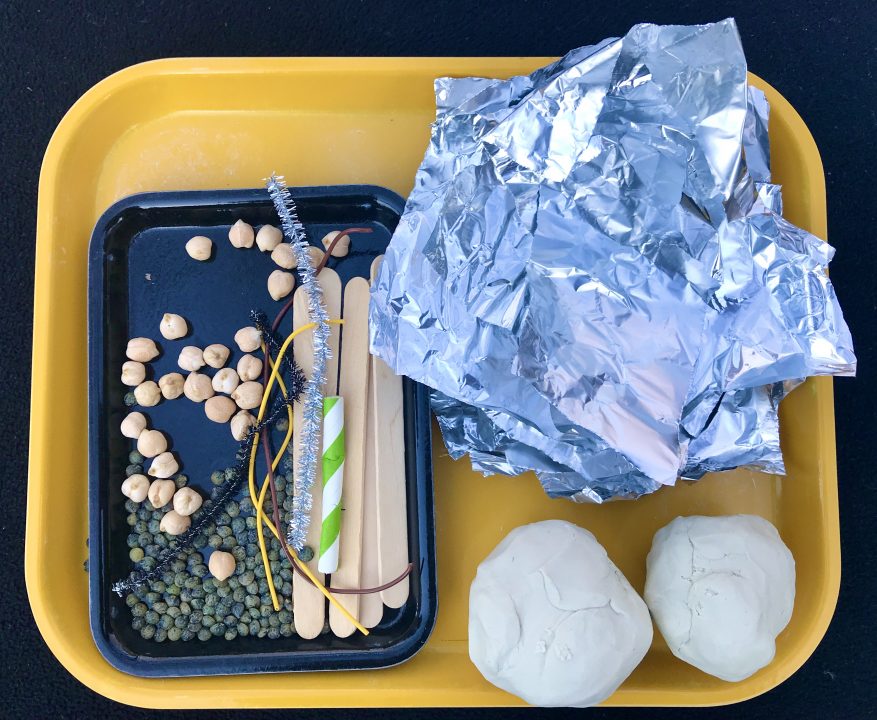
(249, 368)
(241, 235)
(268, 238)
(171, 385)
(198, 387)
(216, 355)
(133, 373)
(141, 349)
(147, 394)
(173, 327)
(199, 248)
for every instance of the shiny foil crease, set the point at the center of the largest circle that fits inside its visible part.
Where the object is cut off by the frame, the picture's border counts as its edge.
(593, 274)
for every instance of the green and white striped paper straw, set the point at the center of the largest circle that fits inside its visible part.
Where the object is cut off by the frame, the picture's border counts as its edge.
(333, 476)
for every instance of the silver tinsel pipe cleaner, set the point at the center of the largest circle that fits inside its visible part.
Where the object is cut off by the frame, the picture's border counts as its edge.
(312, 404)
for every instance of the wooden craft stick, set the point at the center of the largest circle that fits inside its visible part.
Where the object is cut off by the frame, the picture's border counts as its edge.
(353, 387)
(309, 605)
(386, 417)
(391, 491)
(371, 608)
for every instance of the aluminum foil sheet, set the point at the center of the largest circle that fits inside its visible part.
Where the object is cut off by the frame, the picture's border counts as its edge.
(593, 274)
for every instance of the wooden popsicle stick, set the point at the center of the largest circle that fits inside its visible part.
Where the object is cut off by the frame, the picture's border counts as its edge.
(309, 605)
(386, 416)
(353, 387)
(371, 607)
(391, 489)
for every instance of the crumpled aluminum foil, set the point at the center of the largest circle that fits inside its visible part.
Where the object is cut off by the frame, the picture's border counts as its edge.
(593, 274)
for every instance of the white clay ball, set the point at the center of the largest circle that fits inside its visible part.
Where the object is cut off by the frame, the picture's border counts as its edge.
(552, 620)
(721, 589)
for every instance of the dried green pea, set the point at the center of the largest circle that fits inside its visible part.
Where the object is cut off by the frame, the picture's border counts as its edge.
(133, 470)
(166, 622)
(192, 582)
(147, 632)
(174, 633)
(204, 634)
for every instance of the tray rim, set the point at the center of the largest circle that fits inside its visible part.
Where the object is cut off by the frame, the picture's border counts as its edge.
(420, 428)
(99, 677)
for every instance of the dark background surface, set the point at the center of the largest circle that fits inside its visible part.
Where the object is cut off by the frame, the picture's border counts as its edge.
(821, 55)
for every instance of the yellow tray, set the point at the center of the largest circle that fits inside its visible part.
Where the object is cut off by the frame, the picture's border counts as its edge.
(227, 123)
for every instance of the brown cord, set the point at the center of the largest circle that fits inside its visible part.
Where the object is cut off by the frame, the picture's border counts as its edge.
(269, 459)
(328, 251)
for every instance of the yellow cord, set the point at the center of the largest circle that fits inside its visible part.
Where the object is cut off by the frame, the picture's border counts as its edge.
(257, 502)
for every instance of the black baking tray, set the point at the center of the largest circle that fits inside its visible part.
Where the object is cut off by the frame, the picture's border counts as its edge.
(138, 270)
